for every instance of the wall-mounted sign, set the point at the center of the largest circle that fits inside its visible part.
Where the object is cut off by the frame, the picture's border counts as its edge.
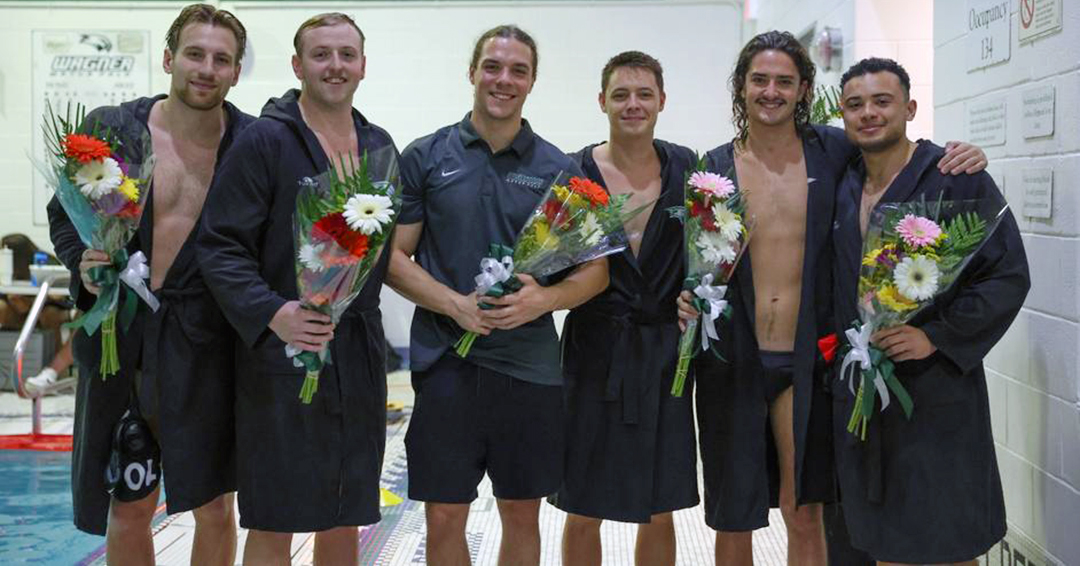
(1038, 18)
(1038, 192)
(986, 122)
(988, 38)
(89, 67)
(1038, 111)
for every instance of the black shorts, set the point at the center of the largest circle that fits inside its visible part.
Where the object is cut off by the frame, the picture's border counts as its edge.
(469, 420)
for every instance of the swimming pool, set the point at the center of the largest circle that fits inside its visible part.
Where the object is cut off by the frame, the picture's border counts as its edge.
(35, 511)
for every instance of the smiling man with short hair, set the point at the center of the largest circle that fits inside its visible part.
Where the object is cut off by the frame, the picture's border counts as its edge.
(498, 411)
(163, 355)
(301, 467)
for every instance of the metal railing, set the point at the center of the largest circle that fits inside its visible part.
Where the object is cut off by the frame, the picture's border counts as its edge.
(20, 349)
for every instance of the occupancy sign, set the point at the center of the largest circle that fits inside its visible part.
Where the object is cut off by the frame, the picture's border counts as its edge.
(988, 38)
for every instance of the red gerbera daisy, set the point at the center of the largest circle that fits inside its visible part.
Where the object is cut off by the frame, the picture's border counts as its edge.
(85, 148)
(330, 227)
(590, 190)
(335, 227)
(130, 210)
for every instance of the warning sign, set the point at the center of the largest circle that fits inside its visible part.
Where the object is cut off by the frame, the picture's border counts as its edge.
(1038, 18)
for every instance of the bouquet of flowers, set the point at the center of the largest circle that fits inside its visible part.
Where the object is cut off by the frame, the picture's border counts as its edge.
(576, 221)
(716, 233)
(912, 252)
(343, 218)
(101, 180)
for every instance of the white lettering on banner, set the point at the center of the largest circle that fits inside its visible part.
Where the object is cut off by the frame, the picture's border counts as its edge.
(88, 67)
(988, 38)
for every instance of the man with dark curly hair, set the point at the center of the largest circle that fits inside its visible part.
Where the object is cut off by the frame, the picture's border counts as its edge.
(763, 410)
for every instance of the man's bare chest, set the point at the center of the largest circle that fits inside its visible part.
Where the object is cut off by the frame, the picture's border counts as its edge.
(643, 188)
(181, 183)
(776, 200)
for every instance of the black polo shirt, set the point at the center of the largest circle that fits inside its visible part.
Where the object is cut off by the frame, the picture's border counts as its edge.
(468, 198)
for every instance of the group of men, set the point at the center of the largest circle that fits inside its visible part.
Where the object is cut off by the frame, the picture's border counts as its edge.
(589, 423)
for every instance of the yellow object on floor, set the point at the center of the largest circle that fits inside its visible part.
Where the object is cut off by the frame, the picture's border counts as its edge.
(388, 499)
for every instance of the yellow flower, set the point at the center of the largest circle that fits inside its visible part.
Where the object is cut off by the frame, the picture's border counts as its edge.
(889, 296)
(544, 237)
(871, 258)
(130, 188)
(561, 192)
(577, 201)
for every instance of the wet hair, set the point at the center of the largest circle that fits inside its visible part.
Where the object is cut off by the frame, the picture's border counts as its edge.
(783, 42)
(323, 20)
(507, 31)
(878, 65)
(207, 14)
(633, 59)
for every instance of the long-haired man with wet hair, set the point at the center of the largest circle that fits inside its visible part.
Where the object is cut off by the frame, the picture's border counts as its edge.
(763, 409)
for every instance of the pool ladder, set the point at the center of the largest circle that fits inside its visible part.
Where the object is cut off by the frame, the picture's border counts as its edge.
(20, 349)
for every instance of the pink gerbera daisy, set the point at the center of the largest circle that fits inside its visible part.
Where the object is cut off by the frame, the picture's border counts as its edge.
(918, 231)
(711, 183)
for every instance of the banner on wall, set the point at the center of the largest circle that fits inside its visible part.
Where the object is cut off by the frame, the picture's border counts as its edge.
(89, 67)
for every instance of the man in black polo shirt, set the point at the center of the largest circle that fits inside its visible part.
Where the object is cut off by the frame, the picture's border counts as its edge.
(500, 410)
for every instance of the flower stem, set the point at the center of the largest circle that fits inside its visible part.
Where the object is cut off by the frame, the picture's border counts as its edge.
(464, 344)
(110, 359)
(856, 415)
(687, 342)
(310, 386)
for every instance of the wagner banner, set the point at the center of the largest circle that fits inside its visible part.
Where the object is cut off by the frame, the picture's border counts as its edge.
(89, 67)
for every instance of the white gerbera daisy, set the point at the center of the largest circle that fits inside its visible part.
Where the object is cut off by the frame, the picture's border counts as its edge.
(368, 213)
(715, 248)
(99, 178)
(591, 227)
(727, 222)
(916, 277)
(311, 257)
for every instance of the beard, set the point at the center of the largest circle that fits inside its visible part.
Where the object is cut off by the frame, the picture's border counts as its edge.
(186, 96)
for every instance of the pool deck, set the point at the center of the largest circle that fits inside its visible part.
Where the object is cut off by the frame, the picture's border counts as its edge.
(399, 538)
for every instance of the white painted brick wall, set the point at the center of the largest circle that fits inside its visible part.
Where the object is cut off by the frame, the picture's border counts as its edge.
(1033, 372)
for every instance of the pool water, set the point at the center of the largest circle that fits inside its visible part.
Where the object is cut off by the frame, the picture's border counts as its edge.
(35, 511)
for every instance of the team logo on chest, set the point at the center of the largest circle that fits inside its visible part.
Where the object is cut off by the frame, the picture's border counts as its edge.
(525, 180)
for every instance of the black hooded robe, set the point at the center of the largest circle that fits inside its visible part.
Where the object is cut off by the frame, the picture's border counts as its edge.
(737, 448)
(630, 444)
(300, 468)
(927, 490)
(184, 352)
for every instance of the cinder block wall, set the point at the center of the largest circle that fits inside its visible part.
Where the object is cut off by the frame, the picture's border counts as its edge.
(1033, 371)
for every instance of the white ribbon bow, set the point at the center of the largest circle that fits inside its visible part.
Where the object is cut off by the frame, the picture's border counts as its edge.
(860, 354)
(714, 296)
(493, 272)
(292, 352)
(133, 275)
